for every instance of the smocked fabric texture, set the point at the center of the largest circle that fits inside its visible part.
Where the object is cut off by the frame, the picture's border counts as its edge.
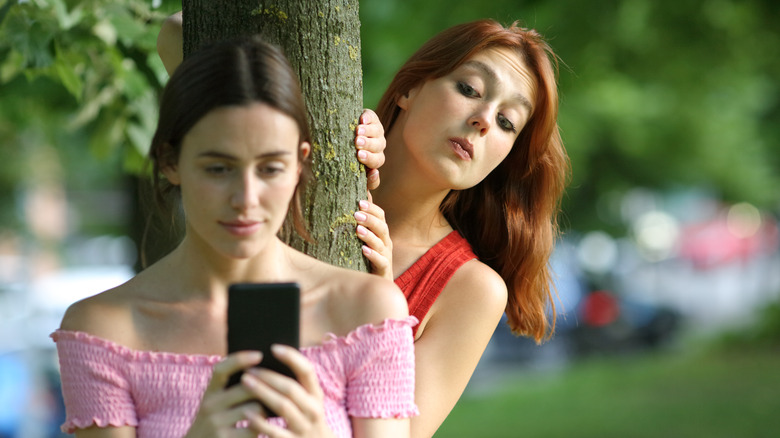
(368, 374)
(424, 281)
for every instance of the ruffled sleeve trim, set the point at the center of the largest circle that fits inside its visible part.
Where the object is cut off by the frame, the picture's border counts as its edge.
(132, 355)
(365, 331)
(73, 424)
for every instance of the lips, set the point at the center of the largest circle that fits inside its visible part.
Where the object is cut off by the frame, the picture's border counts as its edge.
(241, 227)
(462, 148)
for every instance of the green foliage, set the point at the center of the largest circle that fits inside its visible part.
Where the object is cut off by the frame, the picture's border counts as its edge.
(654, 94)
(666, 96)
(76, 73)
(100, 52)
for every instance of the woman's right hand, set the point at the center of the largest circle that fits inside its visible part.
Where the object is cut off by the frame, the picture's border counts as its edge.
(373, 231)
(299, 401)
(221, 408)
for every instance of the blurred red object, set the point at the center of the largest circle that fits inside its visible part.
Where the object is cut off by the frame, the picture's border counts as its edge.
(600, 308)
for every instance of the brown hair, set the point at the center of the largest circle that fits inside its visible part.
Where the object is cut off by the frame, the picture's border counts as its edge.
(229, 73)
(510, 217)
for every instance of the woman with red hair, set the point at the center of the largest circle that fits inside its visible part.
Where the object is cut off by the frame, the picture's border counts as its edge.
(474, 172)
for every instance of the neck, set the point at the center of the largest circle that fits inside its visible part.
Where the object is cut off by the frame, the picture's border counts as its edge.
(410, 201)
(202, 273)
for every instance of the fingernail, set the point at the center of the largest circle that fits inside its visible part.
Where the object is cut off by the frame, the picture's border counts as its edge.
(361, 230)
(361, 130)
(360, 216)
(278, 349)
(360, 141)
(255, 356)
(362, 155)
(363, 205)
(249, 379)
(366, 250)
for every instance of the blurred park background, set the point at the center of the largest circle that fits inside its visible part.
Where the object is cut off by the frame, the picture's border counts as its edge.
(668, 272)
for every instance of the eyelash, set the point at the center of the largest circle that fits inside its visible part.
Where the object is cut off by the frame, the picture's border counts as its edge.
(469, 91)
(270, 170)
(223, 169)
(510, 128)
(217, 169)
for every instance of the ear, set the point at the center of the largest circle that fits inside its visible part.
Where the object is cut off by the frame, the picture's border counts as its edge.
(404, 101)
(305, 150)
(171, 173)
(167, 165)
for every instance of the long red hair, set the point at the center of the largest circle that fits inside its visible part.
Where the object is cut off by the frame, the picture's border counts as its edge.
(510, 217)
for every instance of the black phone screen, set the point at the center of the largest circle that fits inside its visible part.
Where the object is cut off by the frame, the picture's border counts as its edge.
(261, 314)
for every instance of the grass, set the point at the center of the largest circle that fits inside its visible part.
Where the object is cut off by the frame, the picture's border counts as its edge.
(712, 393)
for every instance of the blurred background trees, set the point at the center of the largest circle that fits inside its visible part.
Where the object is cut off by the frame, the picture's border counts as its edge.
(660, 95)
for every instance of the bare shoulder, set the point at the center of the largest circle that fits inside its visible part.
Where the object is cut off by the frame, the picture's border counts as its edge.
(477, 288)
(107, 315)
(377, 296)
(358, 298)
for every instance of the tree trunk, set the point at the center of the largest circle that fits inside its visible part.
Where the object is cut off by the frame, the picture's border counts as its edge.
(321, 38)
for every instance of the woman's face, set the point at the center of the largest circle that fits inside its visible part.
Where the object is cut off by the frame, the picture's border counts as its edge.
(237, 170)
(459, 127)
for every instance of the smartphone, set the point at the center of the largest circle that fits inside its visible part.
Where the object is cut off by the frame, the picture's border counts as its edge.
(261, 314)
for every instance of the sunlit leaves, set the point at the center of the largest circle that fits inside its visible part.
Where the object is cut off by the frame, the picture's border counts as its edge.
(91, 48)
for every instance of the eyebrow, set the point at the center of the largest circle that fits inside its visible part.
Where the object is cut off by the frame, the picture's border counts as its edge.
(489, 72)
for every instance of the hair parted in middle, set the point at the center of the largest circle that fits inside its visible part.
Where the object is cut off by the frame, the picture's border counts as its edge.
(236, 72)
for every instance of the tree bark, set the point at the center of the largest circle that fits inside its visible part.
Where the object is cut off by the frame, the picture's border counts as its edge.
(321, 38)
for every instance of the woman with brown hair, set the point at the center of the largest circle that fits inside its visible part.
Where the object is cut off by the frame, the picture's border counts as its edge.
(149, 357)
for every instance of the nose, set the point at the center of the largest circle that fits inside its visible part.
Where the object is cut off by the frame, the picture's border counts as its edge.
(481, 120)
(246, 192)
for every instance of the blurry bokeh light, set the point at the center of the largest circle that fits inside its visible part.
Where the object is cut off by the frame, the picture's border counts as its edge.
(597, 252)
(656, 234)
(743, 220)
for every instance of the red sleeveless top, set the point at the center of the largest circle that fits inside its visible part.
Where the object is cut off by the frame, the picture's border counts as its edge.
(423, 282)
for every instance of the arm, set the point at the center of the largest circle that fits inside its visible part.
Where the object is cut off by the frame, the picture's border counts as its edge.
(170, 42)
(384, 376)
(459, 327)
(81, 363)
(106, 432)
(380, 427)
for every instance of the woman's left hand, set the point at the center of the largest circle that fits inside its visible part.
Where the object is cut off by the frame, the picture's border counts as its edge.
(370, 143)
(299, 402)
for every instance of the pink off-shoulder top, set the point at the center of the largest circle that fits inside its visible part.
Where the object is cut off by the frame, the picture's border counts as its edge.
(367, 374)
